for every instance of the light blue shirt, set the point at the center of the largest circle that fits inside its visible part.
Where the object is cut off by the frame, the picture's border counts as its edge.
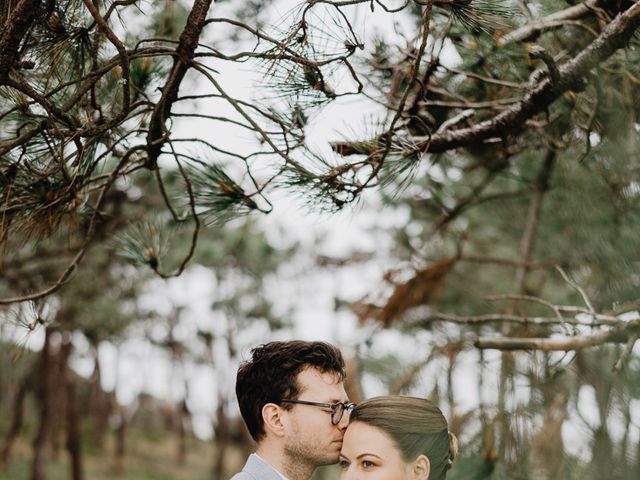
(257, 469)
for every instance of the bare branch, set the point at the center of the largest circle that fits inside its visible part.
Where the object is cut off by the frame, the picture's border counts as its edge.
(577, 342)
(624, 356)
(157, 136)
(507, 318)
(556, 19)
(579, 289)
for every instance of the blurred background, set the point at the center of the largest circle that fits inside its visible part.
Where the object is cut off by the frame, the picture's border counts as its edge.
(499, 279)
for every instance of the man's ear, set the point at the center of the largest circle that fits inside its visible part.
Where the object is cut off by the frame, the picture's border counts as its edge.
(272, 418)
(421, 468)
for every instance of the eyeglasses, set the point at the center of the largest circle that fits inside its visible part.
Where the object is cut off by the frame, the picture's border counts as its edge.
(337, 409)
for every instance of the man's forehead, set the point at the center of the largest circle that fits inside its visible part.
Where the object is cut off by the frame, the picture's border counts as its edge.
(312, 378)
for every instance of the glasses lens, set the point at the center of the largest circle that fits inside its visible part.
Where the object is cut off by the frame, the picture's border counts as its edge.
(338, 411)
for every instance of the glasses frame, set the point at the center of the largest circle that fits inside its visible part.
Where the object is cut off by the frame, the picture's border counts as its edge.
(337, 409)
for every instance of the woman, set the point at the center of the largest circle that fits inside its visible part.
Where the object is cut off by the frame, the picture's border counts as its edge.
(397, 438)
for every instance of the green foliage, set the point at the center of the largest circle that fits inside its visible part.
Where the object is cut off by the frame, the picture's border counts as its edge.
(318, 182)
(481, 15)
(217, 197)
(145, 243)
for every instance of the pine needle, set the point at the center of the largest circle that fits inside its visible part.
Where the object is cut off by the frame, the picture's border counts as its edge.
(481, 16)
(218, 198)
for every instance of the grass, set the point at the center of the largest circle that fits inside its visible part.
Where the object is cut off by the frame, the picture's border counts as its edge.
(148, 458)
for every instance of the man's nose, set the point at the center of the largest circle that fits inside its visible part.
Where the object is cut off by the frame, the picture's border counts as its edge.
(344, 421)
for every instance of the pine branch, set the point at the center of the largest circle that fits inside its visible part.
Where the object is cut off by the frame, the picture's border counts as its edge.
(479, 15)
(540, 96)
(66, 275)
(576, 342)
(614, 37)
(216, 196)
(626, 352)
(185, 52)
(15, 28)
(557, 19)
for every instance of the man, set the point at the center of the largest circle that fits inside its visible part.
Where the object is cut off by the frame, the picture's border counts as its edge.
(293, 401)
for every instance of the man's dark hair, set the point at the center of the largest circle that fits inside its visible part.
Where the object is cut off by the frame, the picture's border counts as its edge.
(271, 376)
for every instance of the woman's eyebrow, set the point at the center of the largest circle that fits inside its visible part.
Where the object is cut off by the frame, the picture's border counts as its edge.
(368, 454)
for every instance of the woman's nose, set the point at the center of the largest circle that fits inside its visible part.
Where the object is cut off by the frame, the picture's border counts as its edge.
(348, 473)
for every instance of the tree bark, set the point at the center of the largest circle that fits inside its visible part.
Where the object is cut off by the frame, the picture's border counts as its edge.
(184, 416)
(221, 439)
(59, 397)
(547, 446)
(16, 425)
(45, 395)
(121, 441)
(99, 404)
(73, 443)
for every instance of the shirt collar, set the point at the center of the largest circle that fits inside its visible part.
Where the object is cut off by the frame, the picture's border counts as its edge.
(274, 468)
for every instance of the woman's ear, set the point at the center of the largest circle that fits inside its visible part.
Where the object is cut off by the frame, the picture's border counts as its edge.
(272, 418)
(421, 468)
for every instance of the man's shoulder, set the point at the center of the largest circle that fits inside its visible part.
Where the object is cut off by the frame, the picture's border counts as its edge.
(256, 469)
(243, 476)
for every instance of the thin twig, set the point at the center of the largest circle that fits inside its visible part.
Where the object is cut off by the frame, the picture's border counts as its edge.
(579, 289)
(628, 348)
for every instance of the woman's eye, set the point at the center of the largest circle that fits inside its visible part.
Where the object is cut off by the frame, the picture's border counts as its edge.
(344, 464)
(368, 464)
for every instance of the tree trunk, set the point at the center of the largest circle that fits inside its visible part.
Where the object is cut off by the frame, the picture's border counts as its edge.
(5, 391)
(16, 425)
(59, 398)
(73, 443)
(221, 439)
(625, 455)
(121, 441)
(99, 404)
(45, 393)
(183, 420)
(636, 470)
(547, 447)
(488, 452)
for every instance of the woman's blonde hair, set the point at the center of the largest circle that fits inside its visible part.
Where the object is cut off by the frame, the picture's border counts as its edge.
(415, 425)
